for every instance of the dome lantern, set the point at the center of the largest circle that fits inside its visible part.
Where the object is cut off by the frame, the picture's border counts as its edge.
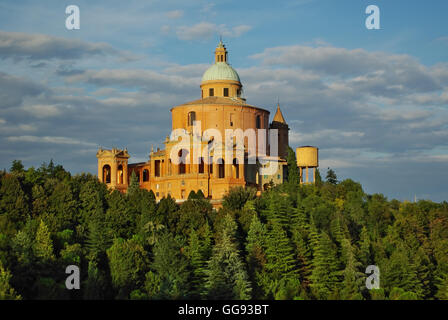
(221, 79)
(221, 53)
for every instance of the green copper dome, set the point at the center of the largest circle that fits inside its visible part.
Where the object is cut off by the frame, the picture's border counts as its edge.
(220, 71)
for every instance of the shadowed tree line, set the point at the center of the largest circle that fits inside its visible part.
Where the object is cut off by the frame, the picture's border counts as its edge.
(294, 242)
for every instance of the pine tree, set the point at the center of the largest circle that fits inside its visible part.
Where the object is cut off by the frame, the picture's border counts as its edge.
(165, 209)
(91, 201)
(279, 210)
(401, 294)
(197, 255)
(226, 274)
(62, 208)
(353, 278)
(17, 167)
(318, 181)
(120, 216)
(442, 287)
(256, 236)
(300, 233)
(338, 229)
(314, 237)
(207, 241)
(152, 285)
(22, 246)
(293, 170)
(331, 177)
(192, 195)
(43, 246)
(98, 241)
(134, 185)
(279, 253)
(144, 203)
(237, 197)
(401, 272)
(96, 285)
(6, 291)
(423, 265)
(171, 267)
(200, 194)
(364, 247)
(40, 201)
(256, 255)
(128, 263)
(13, 200)
(324, 277)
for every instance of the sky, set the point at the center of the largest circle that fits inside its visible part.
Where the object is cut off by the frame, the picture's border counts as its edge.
(375, 102)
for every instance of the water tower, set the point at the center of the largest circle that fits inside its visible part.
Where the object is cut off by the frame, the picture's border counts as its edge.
(307, 158)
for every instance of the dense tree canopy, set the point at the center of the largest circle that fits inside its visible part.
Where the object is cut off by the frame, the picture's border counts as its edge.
(293, 242)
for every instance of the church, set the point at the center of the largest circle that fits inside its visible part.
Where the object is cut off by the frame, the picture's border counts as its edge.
(179, 169)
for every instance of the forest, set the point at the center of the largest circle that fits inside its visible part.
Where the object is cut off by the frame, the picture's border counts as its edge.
(294, 242)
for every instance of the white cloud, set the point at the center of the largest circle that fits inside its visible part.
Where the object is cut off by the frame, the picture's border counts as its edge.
(190, 70)
(175, 14)
(165, 29)
(330, 135)
(129, 78)
(206, 30)
(403, 114)
(377, 72)
(443, 39)
(17, 45)
(16, 128)
(236, 32)
(49, 139)
(42, 111)
(202, 30)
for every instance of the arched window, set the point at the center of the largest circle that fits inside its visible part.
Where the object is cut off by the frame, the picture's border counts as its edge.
(182, 161)
(191, 118)
(235, 169)
(145, 175)
(120, 174)
(210, 165)
(221, 170)
(157, 168)
(258, 122)
(201, 165)
(106, 173)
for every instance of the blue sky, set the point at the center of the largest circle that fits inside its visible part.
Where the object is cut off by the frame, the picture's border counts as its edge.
(374, 101)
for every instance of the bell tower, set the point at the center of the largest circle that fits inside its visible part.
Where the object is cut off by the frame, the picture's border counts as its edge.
(113, 168)
(280, 124)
